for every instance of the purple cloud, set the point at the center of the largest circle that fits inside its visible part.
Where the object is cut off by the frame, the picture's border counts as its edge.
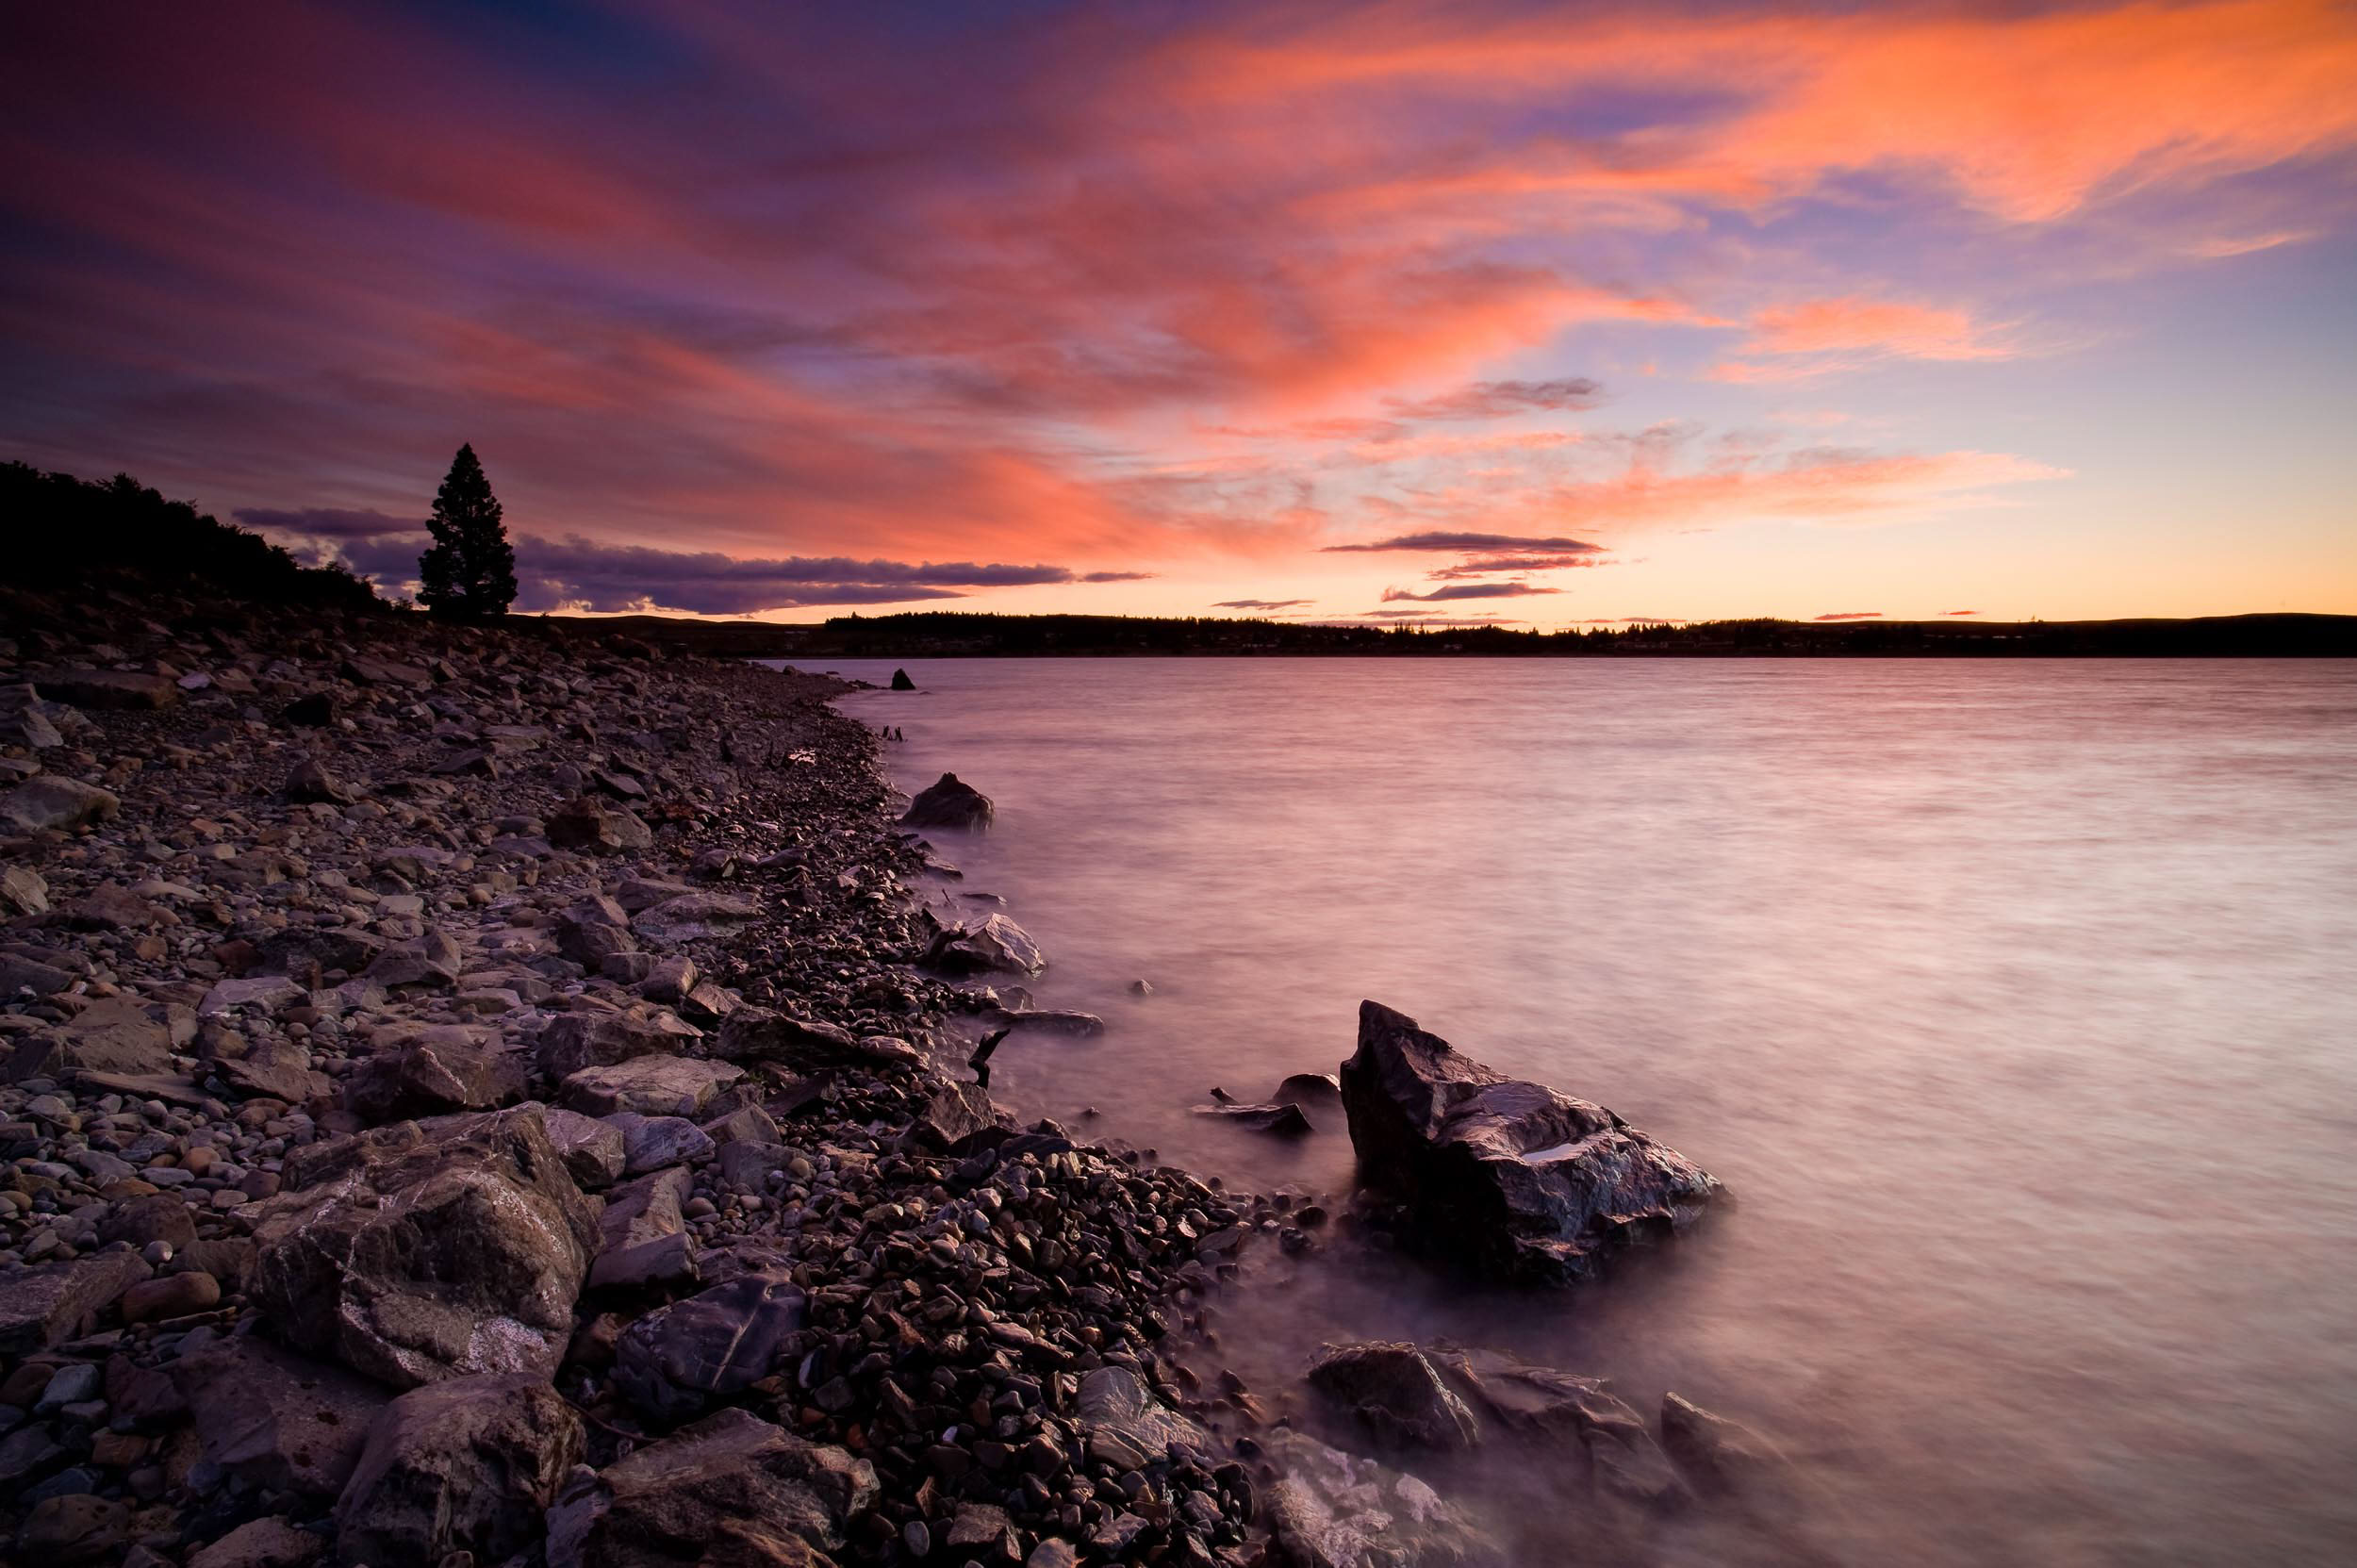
(1496, 400)
(1260, 603)
(1469, 543)
(1468, 590)
(328, 522)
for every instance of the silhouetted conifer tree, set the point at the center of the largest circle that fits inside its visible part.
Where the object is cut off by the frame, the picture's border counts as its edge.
(468, 572)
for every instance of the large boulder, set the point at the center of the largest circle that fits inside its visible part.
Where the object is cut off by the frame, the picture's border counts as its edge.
(1125, 1426)
(648, 1086)
(1396, 1395)
(1331, 1509)
(949, 804)
(677, 1361)
(415, 1253)
(997, 945)
(466, 1465)
(1518, 1180)
(730, 1490)
(46, 1306)
(1537, 1401)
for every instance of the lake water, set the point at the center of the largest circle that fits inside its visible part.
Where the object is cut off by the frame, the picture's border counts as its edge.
(2016, 1001)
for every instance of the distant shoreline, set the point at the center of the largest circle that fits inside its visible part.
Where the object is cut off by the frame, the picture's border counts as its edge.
(958, 635)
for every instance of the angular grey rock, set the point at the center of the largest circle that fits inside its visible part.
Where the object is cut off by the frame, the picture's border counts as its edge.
(949, 802)
(434, 1071)
(1396, 1395)
(48, 1305)
(647, 1085)
(1331, 1509)
(1286, 1120)
(1518, 1180)
(677, 1360)
(113, 1036)
(416, 1253)
(51, 800)
(466, 1465)
(1537, 1401)
(23, 891)
(590, 1150)
(276, 1419)
(573, 1041)
(592, 828)
(731, 1488)
(310, 781)
(1125, 1425)
(650, 1143)
(274, 1070)
(431, 961)
(954, 1116)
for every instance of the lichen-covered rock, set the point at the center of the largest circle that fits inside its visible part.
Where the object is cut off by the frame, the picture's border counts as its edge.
(1518, 1180)
(415, 1254)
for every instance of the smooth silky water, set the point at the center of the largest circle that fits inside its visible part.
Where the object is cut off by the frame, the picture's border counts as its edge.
(2016, 1001)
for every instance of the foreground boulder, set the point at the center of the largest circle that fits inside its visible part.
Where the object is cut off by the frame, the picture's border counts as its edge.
(46, 1306)
(1396, 1395)
(274, 1419)
(466, 1465)
(419, 1253)
(730, 1490)
(949, 802)
(112, 1035)
(677, 1360)
(52, 800)
(1520, 1182)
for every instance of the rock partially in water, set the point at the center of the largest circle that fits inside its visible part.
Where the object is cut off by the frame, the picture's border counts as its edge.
(900, 680)
(1521, 1182)
(1331, 1509)
(1721, 1457)
(1307, 1089)
(997, 945)
(1286, 1120)
(1395, 1393)
(949, 802)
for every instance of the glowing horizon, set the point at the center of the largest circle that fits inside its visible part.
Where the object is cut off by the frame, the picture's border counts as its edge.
(1389, 312)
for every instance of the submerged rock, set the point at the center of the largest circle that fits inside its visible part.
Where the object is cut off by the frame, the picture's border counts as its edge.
(1518, 1180)
(1284, 1121)
(1721, 1457)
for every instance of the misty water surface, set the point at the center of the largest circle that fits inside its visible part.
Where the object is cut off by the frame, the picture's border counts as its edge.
(2014, 1000)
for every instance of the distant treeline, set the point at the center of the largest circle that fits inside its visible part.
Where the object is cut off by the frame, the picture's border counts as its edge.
(952, 635)
(63, 531)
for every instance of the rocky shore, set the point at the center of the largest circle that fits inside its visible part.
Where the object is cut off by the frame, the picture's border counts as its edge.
(490, 1095)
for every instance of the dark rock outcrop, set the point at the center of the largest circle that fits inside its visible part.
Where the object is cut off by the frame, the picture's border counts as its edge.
(1519, 1182)
(997, 945)
(949, 802)
(275, 1419)
(674, 1362)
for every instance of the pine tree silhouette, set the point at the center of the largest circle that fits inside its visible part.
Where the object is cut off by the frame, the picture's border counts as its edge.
(468, 572)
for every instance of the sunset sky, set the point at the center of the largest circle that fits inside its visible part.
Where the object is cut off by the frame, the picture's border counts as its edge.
(1552, 313)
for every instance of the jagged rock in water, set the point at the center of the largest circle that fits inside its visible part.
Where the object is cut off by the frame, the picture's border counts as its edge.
(1396, 1395)
(1518, 1180)
(466, 1465)
(1537, 1401)
(1285, 1120)
(731, 1489)
(416, 1253)
(949, 802)
(1720, 1457)
(900, 680)
(997, 945)
(1332, 1509)
(1307, 1089)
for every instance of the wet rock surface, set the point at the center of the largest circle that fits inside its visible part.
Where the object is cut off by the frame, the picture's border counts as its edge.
(1521, 1182)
